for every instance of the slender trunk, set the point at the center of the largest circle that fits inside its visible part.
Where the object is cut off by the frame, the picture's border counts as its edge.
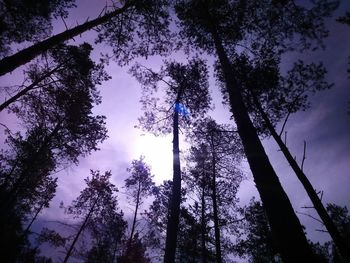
(203, 225)
(343, 247)
(22, 57)
(80, 231)
(135, 214)
(218, 255)
(173, 221)
(28, 88)
(286, 229)
(34, 218)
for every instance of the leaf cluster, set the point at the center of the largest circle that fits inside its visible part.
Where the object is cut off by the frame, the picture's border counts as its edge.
(28, 20)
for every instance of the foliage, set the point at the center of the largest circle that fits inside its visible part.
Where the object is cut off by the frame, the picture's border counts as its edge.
(64, 106)
(184, 87)
(256, 241)
(28, 20)
(278, 94)
(139, 185)
(135, 252)
(254, 25)
(143, 30)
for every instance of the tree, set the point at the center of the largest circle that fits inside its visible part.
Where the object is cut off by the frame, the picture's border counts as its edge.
(138, 186)
(60, 123)
(138, 27)
(60, 128)
(28, 20)
(186, 92)
(215, 174)
(257, 243)
(218, 28)
(55, 68)
(271, 101)
(135, 252)
(97, 203)
(157, 216)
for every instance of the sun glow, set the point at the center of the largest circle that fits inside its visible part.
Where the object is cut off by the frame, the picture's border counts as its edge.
(157, 152)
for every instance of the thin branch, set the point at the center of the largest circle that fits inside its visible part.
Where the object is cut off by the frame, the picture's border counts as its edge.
(284, 123)
(316, 219)
(304, 157)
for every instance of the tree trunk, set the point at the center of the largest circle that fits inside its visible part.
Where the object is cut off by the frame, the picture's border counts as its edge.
(339, 241)
(203, 224)
(286, 229)
(22, 57)
(34, 218)
(80, 230)
(28, 88)
(215, 207)
(173, 221)
(135, 215)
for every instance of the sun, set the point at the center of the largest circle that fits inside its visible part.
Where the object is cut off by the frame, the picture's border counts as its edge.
(158, 154)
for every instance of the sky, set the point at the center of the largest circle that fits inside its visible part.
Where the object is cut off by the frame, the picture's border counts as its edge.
(325, 128)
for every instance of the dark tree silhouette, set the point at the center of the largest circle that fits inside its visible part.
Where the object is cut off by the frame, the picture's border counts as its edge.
(60, 128)
(28, 20)
(186, 89)
(97, 203)
(256, 241)
(135, 252)
(270, 98)
(56, 67)
(60, 122)
(138, 27)
(218, 28)
(216, 160)
(138, 186)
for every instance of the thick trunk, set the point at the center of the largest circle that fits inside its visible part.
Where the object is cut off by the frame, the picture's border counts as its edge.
(203, 225)
(173, 222)
(215, 208)
(80, 231)
(286, 229)
(341, 244)
(28, 88)
(22, 57)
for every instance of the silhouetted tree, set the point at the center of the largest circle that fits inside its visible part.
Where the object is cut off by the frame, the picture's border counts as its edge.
(56, 68)
(186, 89)
(132, 27)
(256, 240)
(22, 20)
(135, 252)
(270, 98)
(218, 28)
(95, 205)
(138, 187)
(216, 159)
(60, 126)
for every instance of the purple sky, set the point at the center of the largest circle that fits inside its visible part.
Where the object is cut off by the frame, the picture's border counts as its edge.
(325, 127)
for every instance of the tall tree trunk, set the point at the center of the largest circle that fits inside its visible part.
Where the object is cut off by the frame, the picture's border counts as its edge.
(135, 214)
(215, 207)
(343, 247)
(203, 224)
(173, 221)
(28, 88)
(80, 231)
(286, 229)
(22, 57)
